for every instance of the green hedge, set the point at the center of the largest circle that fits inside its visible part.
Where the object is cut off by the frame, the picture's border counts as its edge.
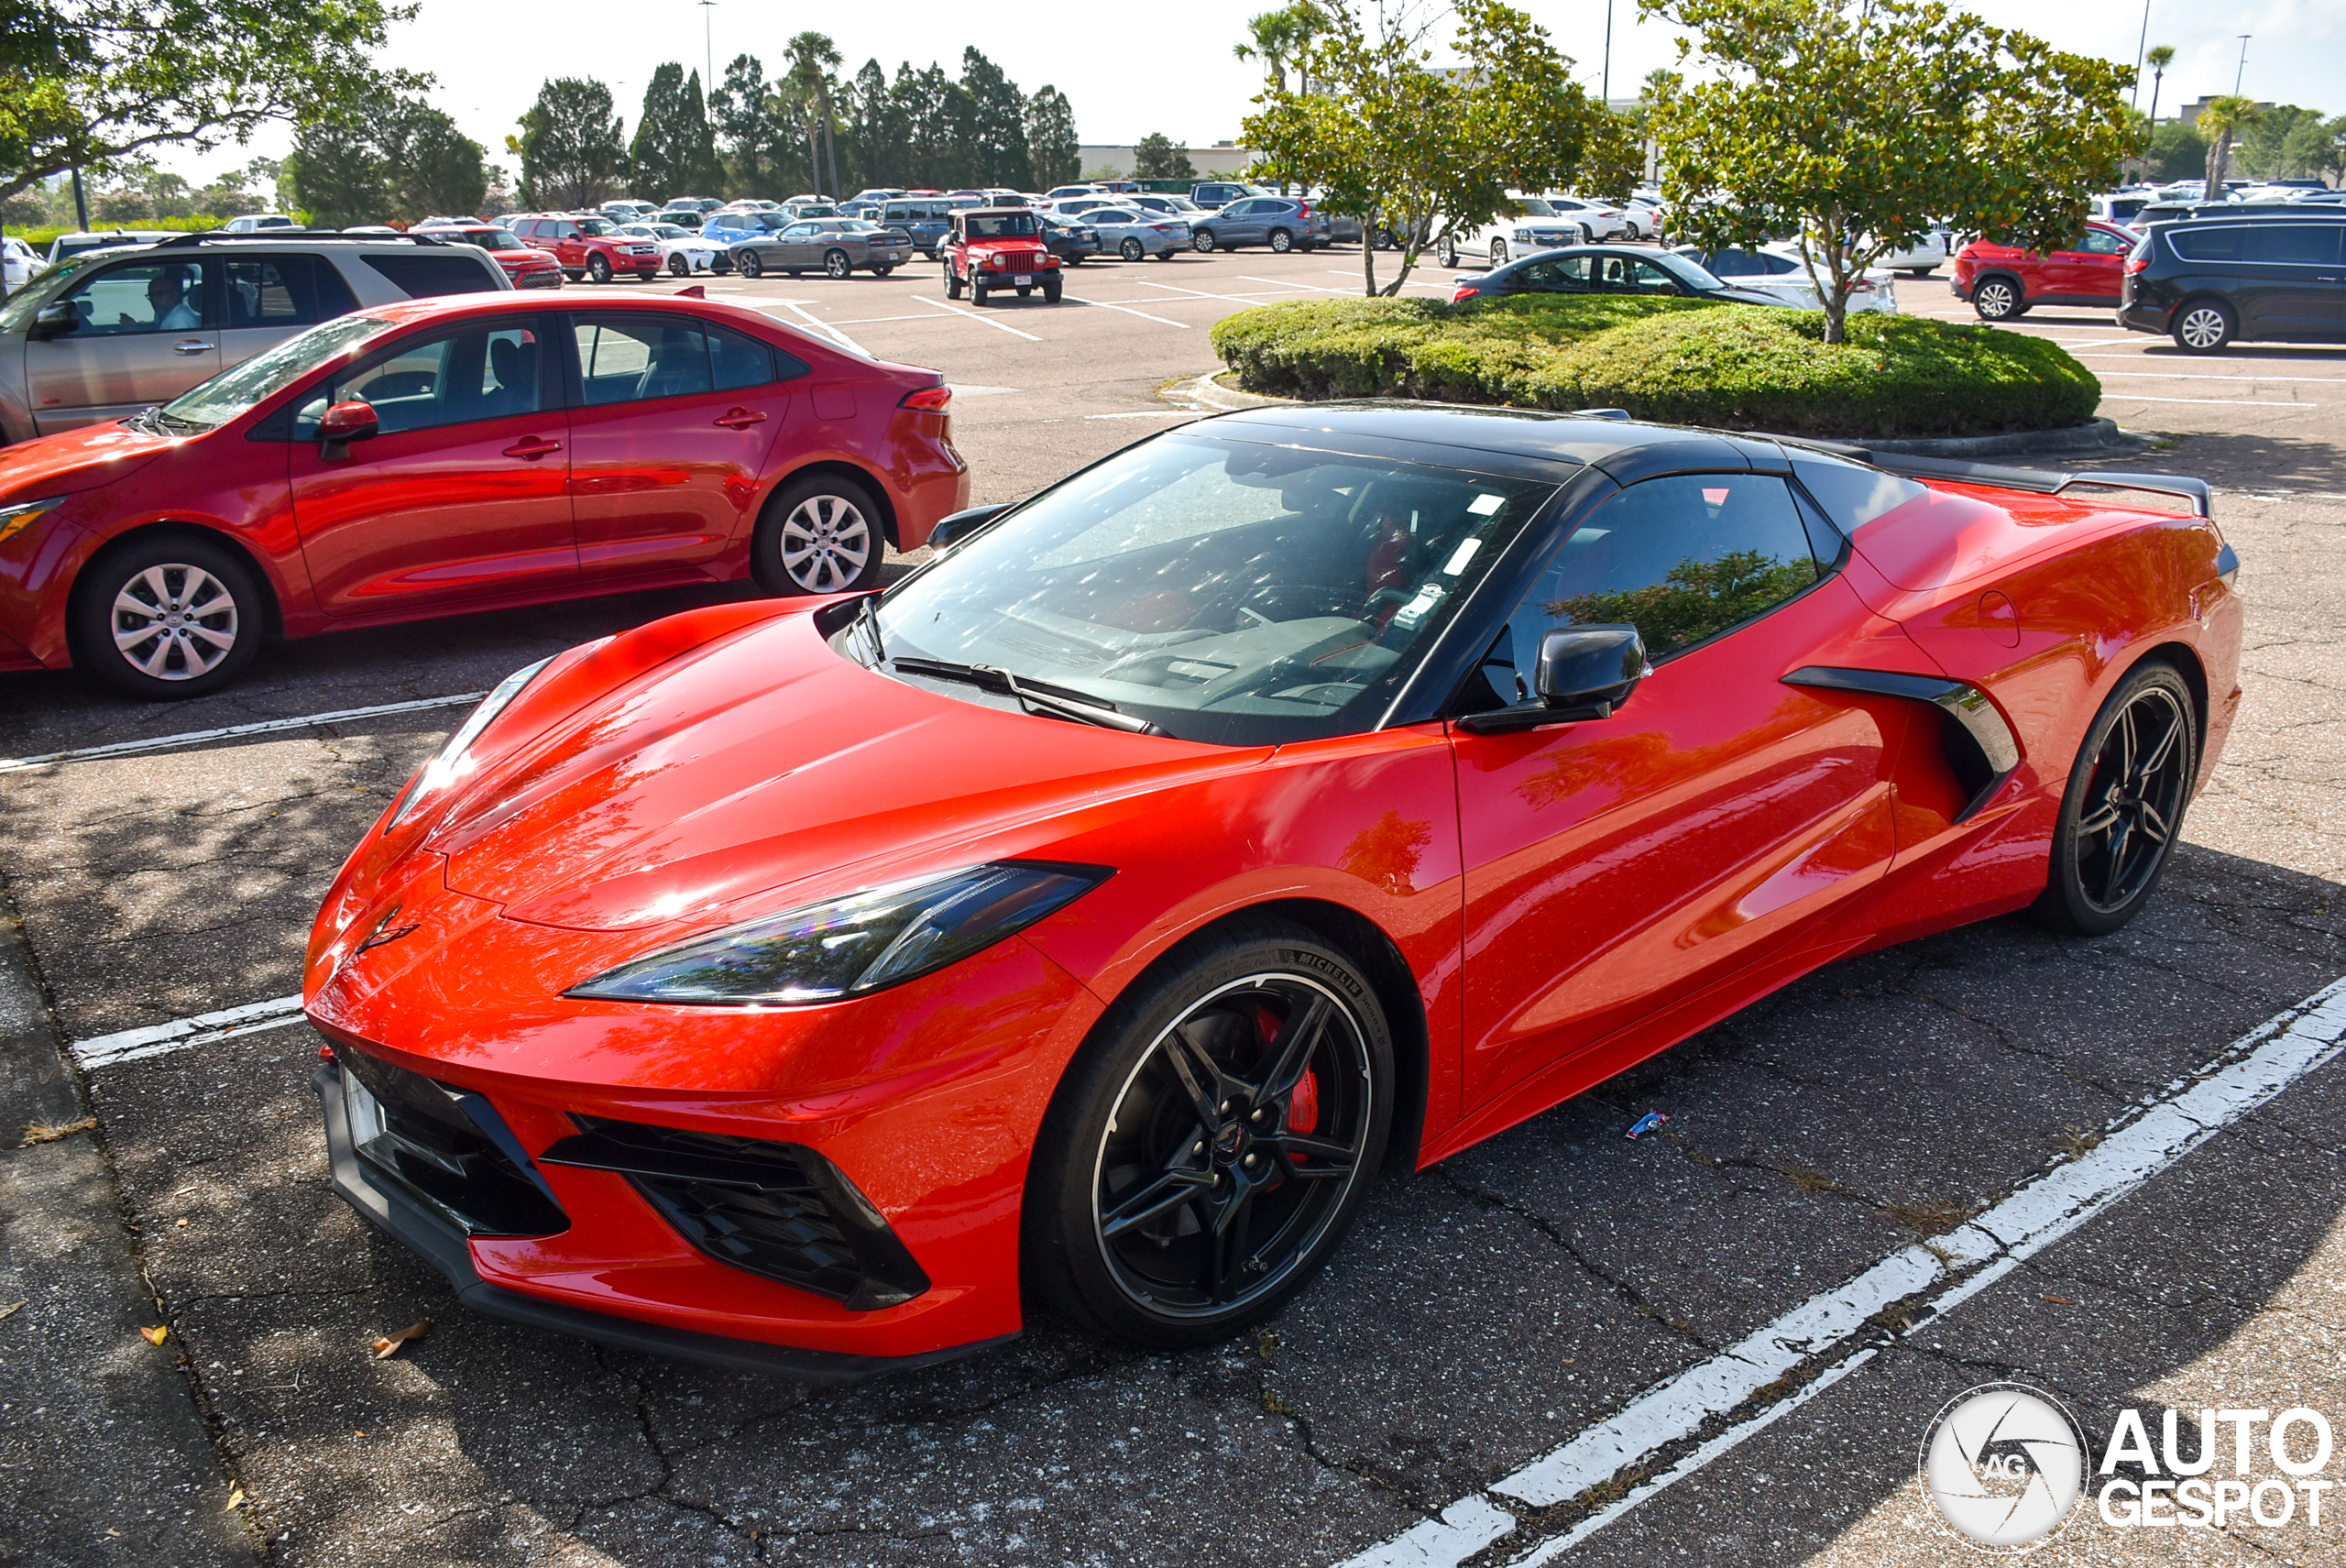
(1684, 361)
(39, 239)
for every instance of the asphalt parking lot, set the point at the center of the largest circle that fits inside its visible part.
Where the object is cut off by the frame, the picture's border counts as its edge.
(1490, 1325)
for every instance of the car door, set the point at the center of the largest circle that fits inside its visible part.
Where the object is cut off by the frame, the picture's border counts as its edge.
(670, 430)
(1612, 865)
(145, 336)
(266, 298)
(464, 494)
(2298, 292)
(1237, 224)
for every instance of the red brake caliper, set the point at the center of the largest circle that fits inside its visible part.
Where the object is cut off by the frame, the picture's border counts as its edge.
(1303, 1105)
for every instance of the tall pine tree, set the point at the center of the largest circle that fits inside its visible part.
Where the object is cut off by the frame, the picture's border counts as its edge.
(997, 125)
(573, 152)
(744, 123)
(674, 149)
(1053, 153)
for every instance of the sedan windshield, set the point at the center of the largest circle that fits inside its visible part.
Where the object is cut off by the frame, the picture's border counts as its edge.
(1223, 591)
(231, 392)
(1694, 274)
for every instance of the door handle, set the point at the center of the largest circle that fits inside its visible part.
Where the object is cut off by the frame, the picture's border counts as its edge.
(190, 345)
(530, 447)
(741, 418)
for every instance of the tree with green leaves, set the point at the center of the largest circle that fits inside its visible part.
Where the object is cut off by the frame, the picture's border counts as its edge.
(1275, 37)
(338, 172)
(2177, 152)
(1859, 124)
(86, 81)
(2287, 142)
(1053, 152)
(2161, 57)
(1415, 149)
(1156, 158)
(875, 131)
(742, 115)
(814, 59)
(574, 151)
(674, 151)
(2221, 120)
(385, 158)
(434, 168)
(997, 125)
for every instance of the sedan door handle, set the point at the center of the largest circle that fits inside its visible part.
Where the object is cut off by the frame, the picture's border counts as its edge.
(741, 418)
(190, 345)
(530, 447)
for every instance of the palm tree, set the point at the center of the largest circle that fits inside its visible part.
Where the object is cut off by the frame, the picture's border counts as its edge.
(813, 58)
(2160, 59)
(2223, 118)
(1278, 36)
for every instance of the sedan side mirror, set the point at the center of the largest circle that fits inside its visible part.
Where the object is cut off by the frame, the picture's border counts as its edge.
(1581, 673)
(54, 320)
(952, 529)
(344, 423)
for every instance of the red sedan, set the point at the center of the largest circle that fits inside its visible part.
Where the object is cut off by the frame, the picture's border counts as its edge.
(2003, 282)
(1300, 793)
(456, 455)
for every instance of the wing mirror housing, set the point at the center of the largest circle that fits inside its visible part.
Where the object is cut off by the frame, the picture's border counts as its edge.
(344, 423)
(1581, 673)
(953, 530)
(54, 319)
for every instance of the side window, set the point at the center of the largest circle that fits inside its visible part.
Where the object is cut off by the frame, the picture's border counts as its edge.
(739, 360)
(422, 274)
(2097, 243)
(2210, 244)
(284, 290)
(453, 379)
(125, 301)
(631, 358)
(2303, 244)
(802, 231)
(1680, 559)
(1565, 275)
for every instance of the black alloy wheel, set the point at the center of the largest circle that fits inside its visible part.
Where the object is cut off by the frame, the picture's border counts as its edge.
(837, 264)
(2123, 811)
(748, 265)
(2203, 326)
(1130, 250)
(1998, 299)
(679, 267)
(167, 616)
(598, 267)
(1212, 1141)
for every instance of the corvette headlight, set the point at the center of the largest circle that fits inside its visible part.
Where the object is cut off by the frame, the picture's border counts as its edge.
(846, 947)
(17, 519)
(449, 766)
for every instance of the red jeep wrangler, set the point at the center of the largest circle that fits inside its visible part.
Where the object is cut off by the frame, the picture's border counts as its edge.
(998, 247)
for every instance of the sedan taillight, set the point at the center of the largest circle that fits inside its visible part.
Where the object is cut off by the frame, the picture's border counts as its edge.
(1462, 292)
(928, 399)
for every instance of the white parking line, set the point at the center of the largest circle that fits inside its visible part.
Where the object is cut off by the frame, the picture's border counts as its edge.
(2217, 402)
(1282, 283)
(1337, 272)
(209, 1028)
(826, 328)
(1955, 1267)
(2199, 376)
(1105, 305)
(998, 326)
(915, 316)
(204, 737)
(1150, 413)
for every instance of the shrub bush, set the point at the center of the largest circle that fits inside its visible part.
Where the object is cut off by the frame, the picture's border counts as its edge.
(1684, 361)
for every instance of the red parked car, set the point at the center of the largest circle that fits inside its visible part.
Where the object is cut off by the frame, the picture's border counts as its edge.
(989, 249)
(591, 247)
(2002, 281)
(456, 455)
(526, 266)
(1089, 918)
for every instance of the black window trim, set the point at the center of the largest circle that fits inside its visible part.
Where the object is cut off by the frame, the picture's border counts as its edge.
(551, 393)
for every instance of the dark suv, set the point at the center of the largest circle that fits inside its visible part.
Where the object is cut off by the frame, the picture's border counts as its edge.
(2212, 281)
(1282, 223)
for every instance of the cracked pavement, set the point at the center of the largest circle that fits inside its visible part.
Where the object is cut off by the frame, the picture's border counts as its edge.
(1482, 1313)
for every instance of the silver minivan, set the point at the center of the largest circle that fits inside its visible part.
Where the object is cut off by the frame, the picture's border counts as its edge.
(110, 332)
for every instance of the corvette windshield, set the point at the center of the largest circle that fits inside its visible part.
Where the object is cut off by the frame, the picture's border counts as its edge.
(1223, 591)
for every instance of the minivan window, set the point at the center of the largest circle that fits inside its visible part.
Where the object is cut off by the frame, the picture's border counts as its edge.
(2210, 244)
(2303, 244)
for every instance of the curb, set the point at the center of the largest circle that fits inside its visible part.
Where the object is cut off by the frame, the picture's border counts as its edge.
(2096, 436)
(103, 1430)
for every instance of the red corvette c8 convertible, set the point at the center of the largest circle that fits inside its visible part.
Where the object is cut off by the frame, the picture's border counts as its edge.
(1091, 916)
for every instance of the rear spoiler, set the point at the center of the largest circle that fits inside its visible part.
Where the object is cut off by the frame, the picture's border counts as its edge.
(2041, 480)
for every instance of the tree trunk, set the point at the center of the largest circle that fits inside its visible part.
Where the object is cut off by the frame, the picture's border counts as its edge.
(1368, 256)
(2218, 157)
(830, 152)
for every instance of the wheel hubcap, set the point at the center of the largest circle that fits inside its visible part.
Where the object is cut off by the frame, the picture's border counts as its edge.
(1233, 1145)
(174, 622)
(2202, 328)
(2133, 803)
(824, 543)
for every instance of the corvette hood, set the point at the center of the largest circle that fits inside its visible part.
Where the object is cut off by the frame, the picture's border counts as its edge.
(767, 762)
(76, 460)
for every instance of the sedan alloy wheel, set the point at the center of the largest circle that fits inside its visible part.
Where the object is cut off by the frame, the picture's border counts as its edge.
(819, 536)
(173, 618)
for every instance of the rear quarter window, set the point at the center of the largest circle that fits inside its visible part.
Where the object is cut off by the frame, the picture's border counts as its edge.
(2210, 244)
(423, 275)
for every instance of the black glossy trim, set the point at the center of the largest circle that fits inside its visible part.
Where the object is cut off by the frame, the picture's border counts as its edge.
(1981, 747)
(443, 1246)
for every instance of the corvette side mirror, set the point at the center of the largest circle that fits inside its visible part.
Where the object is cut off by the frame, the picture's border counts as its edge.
(1581, 673)
(951, 530)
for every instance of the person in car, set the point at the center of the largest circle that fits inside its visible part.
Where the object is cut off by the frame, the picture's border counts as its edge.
(167, 293)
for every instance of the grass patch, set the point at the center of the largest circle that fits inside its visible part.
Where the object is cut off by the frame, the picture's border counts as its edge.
(1683, 361)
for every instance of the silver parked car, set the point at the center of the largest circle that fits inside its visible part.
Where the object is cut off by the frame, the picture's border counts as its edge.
(834, 247)
(1132, 233)
(110, 332)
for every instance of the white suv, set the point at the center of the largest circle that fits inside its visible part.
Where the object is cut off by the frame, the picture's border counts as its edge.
(1538, 226)
(107, 333)
(257, 223)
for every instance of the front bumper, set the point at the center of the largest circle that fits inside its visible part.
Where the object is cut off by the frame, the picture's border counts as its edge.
(440, 1242)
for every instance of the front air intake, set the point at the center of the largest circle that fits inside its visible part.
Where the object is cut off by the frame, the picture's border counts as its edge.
(777, 1210)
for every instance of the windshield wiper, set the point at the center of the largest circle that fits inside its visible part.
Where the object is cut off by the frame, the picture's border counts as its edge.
(867, 615)
(1036, 697)
(159, 420)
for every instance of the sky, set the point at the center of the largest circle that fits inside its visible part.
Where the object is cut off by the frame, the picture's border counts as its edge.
(1131, 68)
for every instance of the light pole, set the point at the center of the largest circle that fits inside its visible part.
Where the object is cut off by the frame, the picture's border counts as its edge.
(1604, 82)
(2135, 96)
(2244, 63)
(708, 46)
